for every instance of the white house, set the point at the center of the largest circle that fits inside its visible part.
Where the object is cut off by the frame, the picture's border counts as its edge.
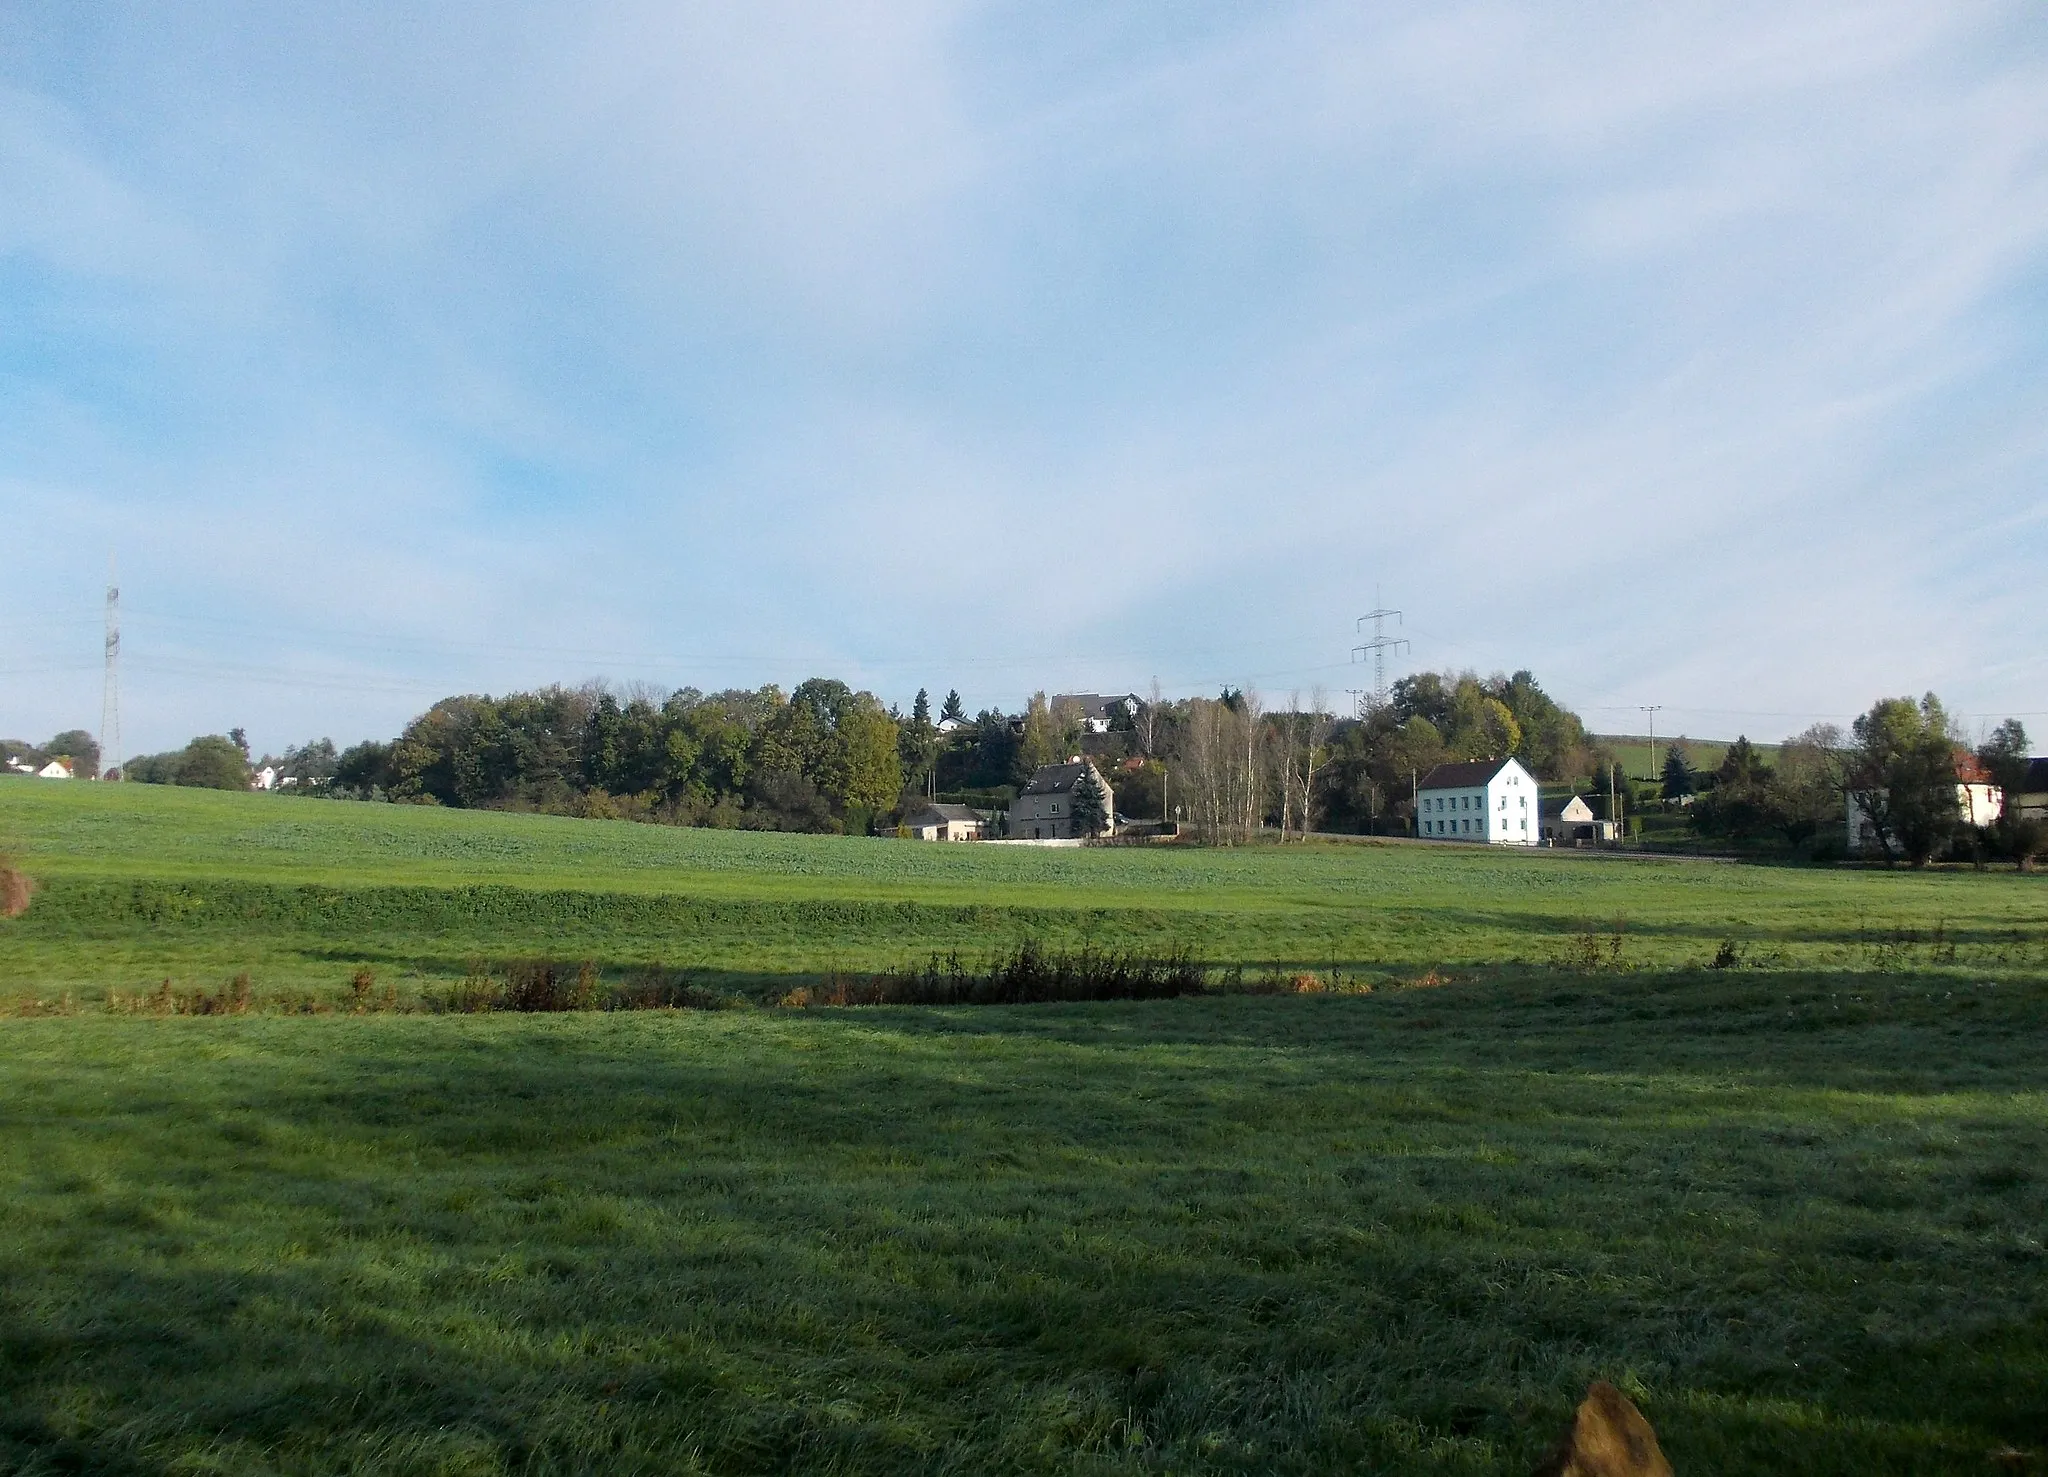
(1044, 809)
(56, 769)
(265, 778)
(937, 822)
(1494, 801)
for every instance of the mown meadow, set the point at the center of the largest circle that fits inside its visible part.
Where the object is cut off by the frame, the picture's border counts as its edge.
(1793, 1205)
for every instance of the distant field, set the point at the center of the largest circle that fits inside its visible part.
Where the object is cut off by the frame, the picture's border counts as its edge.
(1634, 752)
(140, 883)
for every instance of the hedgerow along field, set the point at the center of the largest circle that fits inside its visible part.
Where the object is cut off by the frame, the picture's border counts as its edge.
(1794, 1207)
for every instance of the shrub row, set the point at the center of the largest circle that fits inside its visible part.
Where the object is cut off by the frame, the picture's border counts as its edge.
(1028, 975)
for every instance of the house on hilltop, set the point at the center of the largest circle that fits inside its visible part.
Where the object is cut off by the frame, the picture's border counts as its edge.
(50, 769)
(1099, 713)
(1044, 809)
(1493, 801)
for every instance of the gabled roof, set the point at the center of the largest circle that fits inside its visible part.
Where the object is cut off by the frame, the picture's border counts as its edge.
(1468, 775)
(1553, 809)
(926, 815)
(1096, 705)
(1058, 779)
(1970, 769)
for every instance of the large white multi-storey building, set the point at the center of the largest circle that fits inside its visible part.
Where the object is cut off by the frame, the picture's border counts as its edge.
(1493, 801)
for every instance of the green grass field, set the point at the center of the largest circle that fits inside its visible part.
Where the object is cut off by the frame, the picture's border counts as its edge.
(139, 883)
(1796, 1208)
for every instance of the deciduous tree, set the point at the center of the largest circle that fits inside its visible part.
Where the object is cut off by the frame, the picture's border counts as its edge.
(1902, 773)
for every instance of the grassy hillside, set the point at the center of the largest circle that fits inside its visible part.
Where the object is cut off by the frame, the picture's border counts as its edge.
(139, 883)
(1633, 750)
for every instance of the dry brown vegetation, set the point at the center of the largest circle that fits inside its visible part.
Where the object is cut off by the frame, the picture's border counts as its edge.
(15, 889)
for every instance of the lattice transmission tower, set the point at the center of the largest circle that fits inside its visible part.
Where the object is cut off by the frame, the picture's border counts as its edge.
(110, 690)
(1379, 646)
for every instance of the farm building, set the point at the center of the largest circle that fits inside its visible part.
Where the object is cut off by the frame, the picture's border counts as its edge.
(935, 822)
(1573, 823)
(1044, 809)
(1494, 801)
(54, 769)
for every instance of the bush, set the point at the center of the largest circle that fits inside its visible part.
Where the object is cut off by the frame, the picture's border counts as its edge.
(1028, 976)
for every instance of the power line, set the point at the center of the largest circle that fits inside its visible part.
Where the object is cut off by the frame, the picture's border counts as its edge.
(1652, 710)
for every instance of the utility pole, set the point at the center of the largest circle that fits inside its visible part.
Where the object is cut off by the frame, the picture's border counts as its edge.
(110, 690)
(1358, 695)
(1652, 710)
(1379, 646)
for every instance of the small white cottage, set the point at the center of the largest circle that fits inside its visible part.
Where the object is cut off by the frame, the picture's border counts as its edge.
(1573, 823)
(1493, 801)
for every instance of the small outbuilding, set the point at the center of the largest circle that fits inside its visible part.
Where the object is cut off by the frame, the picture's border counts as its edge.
(936, 822)
(1574, 823)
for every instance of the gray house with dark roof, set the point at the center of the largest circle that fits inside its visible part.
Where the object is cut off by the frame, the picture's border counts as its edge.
(1044, 809)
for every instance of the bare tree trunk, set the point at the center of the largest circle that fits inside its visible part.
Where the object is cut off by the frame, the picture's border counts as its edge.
(1254, 731)
(1316, 733)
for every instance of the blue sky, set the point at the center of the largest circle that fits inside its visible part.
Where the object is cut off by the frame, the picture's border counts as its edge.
(1693, 355)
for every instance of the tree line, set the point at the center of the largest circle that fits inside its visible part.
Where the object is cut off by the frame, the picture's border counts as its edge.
(825, 757)
(1900, 764)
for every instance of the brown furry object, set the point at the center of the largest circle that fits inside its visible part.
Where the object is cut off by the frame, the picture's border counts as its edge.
(15, 890)
(1608, 1437)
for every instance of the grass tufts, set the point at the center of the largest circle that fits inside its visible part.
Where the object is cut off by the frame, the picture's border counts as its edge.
(1029, 975)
